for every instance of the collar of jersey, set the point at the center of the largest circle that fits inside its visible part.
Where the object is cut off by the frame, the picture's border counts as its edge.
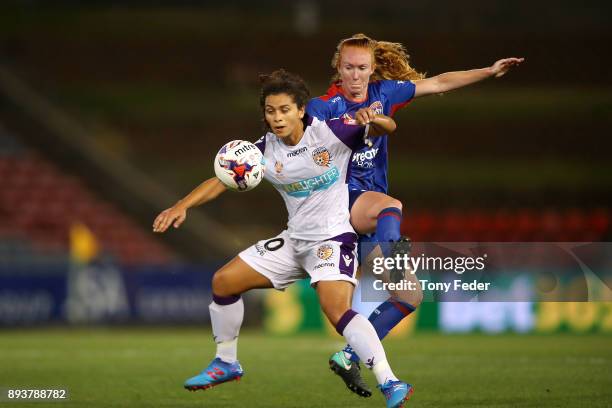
(291, 148)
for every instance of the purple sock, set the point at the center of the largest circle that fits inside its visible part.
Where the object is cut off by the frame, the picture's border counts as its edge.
(225, 300)
(385, 317)
(345, 320)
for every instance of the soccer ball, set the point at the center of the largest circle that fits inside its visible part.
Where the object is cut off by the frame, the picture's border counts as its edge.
(239, 165)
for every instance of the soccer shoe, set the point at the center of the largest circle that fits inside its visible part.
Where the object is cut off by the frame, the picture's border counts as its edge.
(350, 372)
(396, 393)
(401, 248)
(217, 372)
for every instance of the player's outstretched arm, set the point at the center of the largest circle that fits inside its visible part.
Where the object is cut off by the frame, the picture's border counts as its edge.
(458, 79)
(175, 215)
(379, 124)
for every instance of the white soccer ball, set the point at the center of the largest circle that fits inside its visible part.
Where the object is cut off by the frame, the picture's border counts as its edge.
(240, 165)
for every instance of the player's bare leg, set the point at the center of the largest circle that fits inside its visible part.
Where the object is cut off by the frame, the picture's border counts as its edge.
(237, 277)
(335, 298)
(226, 314)
(367, 208)
(378, 213)
(360, 334)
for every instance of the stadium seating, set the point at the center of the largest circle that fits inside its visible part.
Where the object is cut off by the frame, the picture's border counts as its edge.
(39, 203)
(517, 225)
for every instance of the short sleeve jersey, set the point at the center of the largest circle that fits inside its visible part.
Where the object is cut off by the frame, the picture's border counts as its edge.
(311, 177)
(368, 168)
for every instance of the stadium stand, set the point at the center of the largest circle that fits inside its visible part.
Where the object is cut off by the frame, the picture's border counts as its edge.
(39, 203)
(517, 225)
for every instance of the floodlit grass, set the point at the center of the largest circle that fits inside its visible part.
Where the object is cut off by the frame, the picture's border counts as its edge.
(146, 368)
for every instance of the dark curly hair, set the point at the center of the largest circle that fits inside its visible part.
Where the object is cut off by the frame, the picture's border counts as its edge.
(281, 81)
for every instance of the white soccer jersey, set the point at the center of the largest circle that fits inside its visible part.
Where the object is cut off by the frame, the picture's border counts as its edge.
(311, 177)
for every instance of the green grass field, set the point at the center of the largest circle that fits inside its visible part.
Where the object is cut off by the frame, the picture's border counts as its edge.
(146, 368)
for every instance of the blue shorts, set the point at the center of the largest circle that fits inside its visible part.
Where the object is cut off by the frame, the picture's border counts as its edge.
(353, 196)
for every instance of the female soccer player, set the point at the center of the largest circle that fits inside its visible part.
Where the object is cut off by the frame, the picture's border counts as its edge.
(307, 162)
(376, 76)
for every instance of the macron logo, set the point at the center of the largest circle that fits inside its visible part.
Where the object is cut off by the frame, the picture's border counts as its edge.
(347, 260)
(297, 152)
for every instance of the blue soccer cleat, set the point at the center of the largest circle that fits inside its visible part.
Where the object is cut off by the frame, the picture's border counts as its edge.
(217, 372)
(396, 393)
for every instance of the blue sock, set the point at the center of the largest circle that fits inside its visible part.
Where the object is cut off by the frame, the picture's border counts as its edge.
(384, 318)
(388, 227)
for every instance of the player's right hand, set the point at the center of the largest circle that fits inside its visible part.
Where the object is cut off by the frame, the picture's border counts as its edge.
(364, 116)
(171, 216)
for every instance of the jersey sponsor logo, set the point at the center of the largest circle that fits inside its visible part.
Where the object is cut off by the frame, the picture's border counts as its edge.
(322, 156)
(324, 264)
(303, 188)
(377, 107)
(297, 152)
(364, 159)
(325, 252)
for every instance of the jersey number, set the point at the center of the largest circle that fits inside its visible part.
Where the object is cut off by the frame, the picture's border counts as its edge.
(274, 244)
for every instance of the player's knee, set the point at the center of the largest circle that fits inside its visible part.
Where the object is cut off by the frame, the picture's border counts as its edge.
(394, 203)
(383, 204)
(221, 284)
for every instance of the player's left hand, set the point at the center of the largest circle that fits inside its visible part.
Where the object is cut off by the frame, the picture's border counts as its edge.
(364, 116)
(502, 66)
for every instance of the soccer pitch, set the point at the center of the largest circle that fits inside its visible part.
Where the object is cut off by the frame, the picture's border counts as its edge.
(145, 367)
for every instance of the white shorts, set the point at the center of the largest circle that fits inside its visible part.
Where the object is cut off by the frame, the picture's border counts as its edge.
(284, 260)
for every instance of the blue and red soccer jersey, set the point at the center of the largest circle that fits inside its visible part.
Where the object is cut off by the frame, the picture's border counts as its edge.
(368, 168)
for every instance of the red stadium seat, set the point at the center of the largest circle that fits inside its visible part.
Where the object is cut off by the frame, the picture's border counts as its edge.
(39, 200)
